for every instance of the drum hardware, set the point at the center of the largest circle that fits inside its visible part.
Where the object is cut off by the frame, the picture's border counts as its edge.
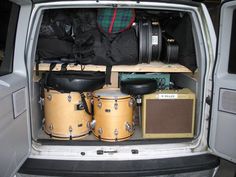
(100, 131)
(79, 106)
(116, 132)
(116, 104)
(51, 127)
(131, 102)
(99, 102)
(41, 102)
(137, 88)
(129, 128)
(91, 124)
(49, 97)
(69, 98)
(70, 129)
(89, 95)
(85, 103)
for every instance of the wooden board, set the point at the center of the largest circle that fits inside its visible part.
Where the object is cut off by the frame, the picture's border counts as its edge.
(152, 67)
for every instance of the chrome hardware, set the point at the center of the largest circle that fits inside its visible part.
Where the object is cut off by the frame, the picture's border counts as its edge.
(51, 127)
(131, 102)
(116, 132)
(70, 129)
(100, 131)
(99, 103)
(129, 128)
(69, 98)
(89, 95)
(116, 104)
(49, 97)
(92, 124)
(41, 102)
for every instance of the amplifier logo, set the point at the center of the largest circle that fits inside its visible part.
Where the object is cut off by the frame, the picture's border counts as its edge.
(167, 96)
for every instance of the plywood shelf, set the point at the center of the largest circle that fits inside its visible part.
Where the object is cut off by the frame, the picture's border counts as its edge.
(152, 67)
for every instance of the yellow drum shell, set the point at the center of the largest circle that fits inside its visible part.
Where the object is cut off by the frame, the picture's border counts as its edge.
(62, 119)
(113, 116)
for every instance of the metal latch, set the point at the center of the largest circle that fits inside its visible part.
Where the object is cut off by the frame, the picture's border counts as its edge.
(101, 152)
(208, 100)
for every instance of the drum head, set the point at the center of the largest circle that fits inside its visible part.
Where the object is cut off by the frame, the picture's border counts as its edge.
(110, 93)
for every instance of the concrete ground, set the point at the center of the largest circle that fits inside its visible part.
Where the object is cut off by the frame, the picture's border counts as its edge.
(226, 169)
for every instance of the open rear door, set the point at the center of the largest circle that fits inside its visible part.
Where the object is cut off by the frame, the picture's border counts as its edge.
(222, 138)
(15, 141)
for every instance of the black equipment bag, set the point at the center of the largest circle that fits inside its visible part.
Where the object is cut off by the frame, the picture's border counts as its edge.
(108, 50)
(150, 41)
(180, 27)
(53, 49)
(74, 81)
(55, 40)
(170, 49)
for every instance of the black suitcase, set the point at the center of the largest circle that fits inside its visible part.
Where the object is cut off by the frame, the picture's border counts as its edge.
(170, 49)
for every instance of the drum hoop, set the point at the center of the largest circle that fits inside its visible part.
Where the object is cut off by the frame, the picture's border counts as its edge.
(103, 98)
(118, 139)
(61, 137)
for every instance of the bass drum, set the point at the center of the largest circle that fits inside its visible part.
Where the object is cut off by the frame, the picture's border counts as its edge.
(65, 114)
(113, 115)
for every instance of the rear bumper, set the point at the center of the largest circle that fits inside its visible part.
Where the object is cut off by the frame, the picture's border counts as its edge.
(120, 168)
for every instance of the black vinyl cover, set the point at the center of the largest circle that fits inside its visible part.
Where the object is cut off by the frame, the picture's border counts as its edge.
(138, 86)
(74, 81)
(170, 49)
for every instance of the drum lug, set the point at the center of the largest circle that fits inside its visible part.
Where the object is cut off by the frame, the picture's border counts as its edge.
(69, 98)
(100, 131)
(88, 95)
(116, 104)
(129, 128)
(131, 102)
(70, 129)
(116, 132)
(91, 125)
(51, 127)
(99, 103)
(49, 97)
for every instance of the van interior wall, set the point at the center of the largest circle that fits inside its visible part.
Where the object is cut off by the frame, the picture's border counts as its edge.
(176, 24)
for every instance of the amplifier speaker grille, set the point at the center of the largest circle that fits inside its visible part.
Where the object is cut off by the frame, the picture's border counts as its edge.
(169, 116)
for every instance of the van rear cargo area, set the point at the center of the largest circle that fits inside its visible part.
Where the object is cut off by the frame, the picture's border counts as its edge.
(131, 46)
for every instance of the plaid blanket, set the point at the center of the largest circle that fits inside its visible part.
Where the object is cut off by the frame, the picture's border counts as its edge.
(115, 20)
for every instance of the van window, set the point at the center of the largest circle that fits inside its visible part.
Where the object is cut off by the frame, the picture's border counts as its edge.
(9, 13)
(232, 54)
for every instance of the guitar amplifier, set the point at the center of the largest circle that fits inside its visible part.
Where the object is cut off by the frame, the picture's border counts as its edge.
(168, 114)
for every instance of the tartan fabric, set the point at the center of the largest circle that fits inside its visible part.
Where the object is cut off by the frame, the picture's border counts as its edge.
(123, 20)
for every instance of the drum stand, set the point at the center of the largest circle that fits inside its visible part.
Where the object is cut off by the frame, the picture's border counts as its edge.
(137, 88)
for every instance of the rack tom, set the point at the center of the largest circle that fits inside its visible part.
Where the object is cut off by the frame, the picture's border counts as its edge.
(113, 115)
